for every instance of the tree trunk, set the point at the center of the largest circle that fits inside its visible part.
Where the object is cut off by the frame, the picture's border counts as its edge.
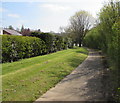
(80, 43)
(75, 44)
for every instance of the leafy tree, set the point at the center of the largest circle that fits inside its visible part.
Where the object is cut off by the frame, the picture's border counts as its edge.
(22, 28)
(10, 27)
(106, 36)
(79, 25)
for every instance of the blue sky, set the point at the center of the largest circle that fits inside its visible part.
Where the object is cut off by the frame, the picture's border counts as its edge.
(47, 15)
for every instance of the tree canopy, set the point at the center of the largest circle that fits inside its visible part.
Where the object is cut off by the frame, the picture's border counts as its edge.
(79, 25)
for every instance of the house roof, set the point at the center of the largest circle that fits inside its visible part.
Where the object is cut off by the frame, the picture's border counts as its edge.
(12, 32)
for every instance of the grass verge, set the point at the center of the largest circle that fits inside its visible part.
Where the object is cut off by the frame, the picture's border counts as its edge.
(28, 79)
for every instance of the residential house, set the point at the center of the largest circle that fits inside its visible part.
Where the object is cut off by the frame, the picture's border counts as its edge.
(9, 32)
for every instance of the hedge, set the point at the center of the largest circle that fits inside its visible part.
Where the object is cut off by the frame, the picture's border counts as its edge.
(106, 36)
(53, 42)
(19, 47)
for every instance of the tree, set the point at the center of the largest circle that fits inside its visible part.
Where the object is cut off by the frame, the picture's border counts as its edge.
(25, 32)
(22, 28)
(39, 30)
(17, 29)
(10, 27)
(79, 25)
(106, 36)
(61, 29)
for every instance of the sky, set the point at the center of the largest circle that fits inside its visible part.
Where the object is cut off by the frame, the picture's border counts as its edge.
(46, 15)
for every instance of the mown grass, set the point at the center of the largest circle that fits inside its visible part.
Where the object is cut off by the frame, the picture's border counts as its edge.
(28, 79)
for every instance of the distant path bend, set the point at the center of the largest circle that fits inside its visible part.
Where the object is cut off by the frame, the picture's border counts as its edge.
(83, 84)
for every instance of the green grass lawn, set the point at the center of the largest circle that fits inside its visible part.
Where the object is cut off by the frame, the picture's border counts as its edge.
(28, 79)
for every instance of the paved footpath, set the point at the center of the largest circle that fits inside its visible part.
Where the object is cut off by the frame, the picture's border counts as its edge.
(83, 84)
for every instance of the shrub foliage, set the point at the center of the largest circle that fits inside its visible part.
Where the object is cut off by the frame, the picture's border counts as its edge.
(53, 42)
(106, 36)
(19, 47)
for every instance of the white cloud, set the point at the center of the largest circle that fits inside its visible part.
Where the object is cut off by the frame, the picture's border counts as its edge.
(55, 7)
(14, 15)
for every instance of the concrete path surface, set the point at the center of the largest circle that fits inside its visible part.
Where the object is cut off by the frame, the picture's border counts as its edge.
(83, 84)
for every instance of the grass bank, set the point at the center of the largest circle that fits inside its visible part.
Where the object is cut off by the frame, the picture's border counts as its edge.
(28, 79)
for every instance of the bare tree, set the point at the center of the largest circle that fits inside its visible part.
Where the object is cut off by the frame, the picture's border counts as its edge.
(79, 25)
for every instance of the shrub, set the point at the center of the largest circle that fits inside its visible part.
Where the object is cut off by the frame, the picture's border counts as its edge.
(19, 47)
(92, 39)
(107, 38)
(53, 42)
(47, 38)
(59, 43)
